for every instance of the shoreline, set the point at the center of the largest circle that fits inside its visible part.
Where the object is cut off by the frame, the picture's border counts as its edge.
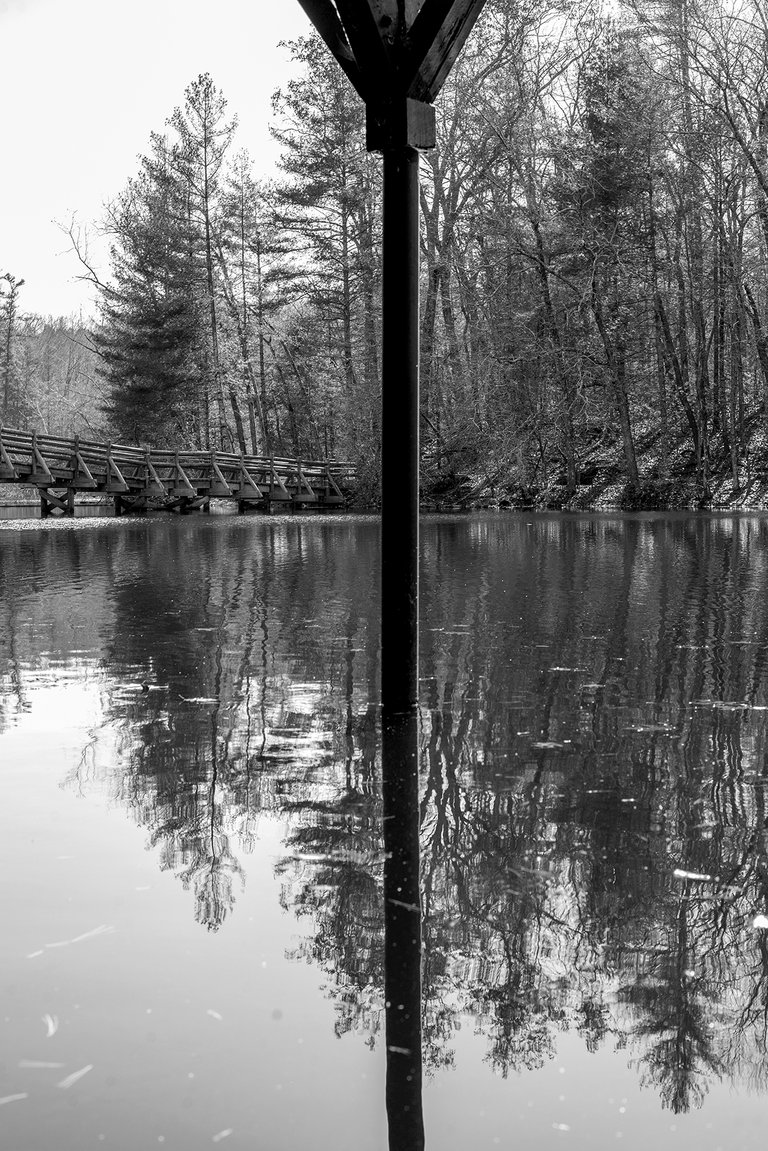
(442, 508)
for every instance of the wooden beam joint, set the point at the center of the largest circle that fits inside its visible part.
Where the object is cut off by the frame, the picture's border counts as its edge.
(399, 123)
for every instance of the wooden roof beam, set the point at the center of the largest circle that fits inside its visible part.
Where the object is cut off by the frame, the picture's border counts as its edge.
(394, 19)
(437, 36)
(365, 36)
(326, 20)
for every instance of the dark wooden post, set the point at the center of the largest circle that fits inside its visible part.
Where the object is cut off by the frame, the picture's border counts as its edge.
(397, 54)
(398, 129)
(402, 929)
(400, 432)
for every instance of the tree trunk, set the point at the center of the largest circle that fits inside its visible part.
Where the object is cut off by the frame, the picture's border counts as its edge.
(260, 397)
(614, 354)
(761, 341)
(673, 361)
(346, 306)
(564, 378)
(429, 310)
(218, 383)
(239, 426)
(242, 337)
(736, 396)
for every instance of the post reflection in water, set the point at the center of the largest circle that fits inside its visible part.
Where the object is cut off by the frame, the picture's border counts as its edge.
(402, 929)
(593, 755)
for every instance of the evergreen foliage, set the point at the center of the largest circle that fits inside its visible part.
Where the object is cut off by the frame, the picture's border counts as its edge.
(148, 338)
(12, 407)
(328, 203)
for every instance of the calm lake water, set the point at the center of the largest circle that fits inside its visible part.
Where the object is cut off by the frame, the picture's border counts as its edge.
(190, 828)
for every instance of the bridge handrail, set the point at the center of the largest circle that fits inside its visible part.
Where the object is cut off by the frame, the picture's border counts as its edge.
(59, 448)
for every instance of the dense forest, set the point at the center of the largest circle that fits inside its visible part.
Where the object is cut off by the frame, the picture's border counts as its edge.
(594, 250)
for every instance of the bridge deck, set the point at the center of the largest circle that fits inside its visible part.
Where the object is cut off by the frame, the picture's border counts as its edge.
(140, 479)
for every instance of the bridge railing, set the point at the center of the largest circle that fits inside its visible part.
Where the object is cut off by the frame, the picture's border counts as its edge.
(138, 474)
(61, 449)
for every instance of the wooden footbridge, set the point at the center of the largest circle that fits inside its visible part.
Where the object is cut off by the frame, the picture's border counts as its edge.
(144, 479)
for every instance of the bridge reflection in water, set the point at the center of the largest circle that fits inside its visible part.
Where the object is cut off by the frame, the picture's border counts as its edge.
(141, 479)
(593, 745)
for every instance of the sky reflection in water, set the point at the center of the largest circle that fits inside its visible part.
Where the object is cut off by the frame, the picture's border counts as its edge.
(593, 721)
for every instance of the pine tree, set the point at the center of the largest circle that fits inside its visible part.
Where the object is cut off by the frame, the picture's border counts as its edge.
(197, 158)
(147, 338)
(330, 203)
(11, 410)
(602, 198)
(251, 250)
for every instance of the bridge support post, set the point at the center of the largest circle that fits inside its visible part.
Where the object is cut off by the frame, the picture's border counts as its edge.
(399, 636)
(50, 503)
(133, 505)
(400, 431)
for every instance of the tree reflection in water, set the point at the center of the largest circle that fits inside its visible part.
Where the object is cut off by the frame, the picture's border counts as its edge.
(594, 719)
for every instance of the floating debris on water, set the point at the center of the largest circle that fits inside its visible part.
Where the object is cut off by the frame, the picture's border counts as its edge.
(102, 929)
(13, 1098)
(52, 1025)
(679, 873)
(760, 922)
(214, 1014)
(69, 1080)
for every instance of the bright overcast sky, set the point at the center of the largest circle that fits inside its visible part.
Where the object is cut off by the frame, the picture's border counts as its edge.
(85, 82)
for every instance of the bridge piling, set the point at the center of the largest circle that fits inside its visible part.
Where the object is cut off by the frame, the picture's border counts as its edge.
(50, 503)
